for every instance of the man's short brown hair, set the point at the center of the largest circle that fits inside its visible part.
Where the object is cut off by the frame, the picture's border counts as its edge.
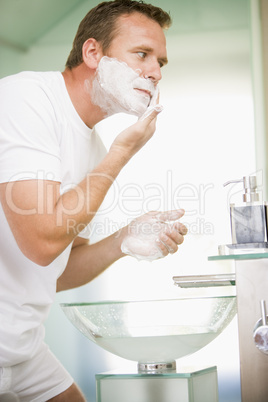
(100, 24)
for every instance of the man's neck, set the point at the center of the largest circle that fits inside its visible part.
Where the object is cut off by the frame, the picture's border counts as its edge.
(78, 82)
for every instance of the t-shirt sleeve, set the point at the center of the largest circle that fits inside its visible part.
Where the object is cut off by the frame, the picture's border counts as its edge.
(29, 133)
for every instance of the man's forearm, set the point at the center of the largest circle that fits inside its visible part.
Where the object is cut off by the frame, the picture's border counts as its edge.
(87, 261)
(40, 217)
(42, 236)
(81, 203)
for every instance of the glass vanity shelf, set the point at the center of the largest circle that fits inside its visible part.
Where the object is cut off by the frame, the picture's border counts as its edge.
(232, 252)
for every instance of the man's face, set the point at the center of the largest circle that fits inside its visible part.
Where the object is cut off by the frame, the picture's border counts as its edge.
(127, 79)
(140, 43)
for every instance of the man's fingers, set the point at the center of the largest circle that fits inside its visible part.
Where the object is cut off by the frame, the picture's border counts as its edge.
(180, 227)
(168, 216)
(152, 112)
(167, 244)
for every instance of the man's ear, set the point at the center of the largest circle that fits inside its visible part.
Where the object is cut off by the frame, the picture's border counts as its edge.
(92, 53)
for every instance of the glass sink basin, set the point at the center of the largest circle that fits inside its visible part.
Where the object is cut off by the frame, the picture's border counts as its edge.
(153, 333)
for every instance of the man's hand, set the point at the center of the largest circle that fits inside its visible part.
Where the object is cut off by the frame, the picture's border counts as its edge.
(151, 236)
(133, 138)
(154, 235)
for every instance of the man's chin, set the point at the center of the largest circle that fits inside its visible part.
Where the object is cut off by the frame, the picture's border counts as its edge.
(137, 111)
(143, 96)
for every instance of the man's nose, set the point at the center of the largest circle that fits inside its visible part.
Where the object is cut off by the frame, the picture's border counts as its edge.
(154, 73)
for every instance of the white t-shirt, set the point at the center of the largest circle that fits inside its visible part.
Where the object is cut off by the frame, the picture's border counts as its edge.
(41, 137)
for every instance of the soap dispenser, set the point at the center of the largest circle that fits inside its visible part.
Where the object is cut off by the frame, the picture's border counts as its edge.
(249, 220)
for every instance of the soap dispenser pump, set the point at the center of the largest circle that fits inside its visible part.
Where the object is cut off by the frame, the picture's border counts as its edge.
(249, 220)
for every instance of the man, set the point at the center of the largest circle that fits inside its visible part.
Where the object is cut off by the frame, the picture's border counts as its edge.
(53, 171)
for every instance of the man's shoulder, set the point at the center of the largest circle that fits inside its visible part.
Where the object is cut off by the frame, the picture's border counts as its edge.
(29, 87)
(35, 78)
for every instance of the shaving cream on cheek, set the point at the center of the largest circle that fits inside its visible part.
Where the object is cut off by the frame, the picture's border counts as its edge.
(118, 88)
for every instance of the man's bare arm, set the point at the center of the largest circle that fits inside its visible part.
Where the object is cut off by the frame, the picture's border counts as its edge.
(87, 261)
(39, 216)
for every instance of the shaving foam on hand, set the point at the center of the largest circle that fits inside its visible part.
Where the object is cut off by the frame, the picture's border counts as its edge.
(141, 241)
(158, 108)
(154, 105)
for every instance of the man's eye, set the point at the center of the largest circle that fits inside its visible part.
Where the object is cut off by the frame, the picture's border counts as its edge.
(142, 54)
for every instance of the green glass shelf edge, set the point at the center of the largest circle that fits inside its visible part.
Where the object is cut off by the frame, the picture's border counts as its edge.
(250, 256)
(171, 374)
